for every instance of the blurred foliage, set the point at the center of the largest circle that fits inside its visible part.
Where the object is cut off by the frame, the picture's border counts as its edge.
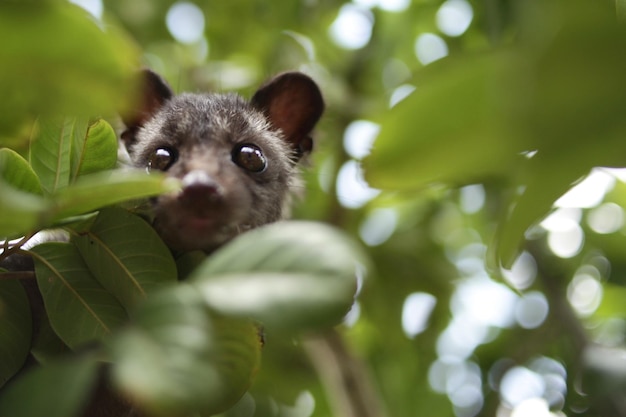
(528, 100)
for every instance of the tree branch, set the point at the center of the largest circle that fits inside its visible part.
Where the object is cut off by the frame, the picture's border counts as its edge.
(345, 378)
(19, 275)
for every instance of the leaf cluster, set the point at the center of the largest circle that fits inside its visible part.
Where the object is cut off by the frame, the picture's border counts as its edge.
(538, 113)
(108, 302)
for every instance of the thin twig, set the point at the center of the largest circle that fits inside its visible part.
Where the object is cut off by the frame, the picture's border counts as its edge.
(345, 378)
(19, 275)
(10, 249)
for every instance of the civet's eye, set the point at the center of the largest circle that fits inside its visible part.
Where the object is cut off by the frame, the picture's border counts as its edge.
(249, 157)
(162, 159)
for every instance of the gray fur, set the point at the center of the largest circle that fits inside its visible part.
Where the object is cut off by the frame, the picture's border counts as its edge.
(204, 129)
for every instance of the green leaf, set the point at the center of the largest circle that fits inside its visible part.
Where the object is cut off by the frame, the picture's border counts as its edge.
(620, 5)
(96, 151)
(542, 187)
(575, 118)
(24, 212)
(126, 256)
(282, 300)
(49, 152)
(20, 212)
(56, 390)
(79, 309)
(57, 61)
(15, 328)
(453, 129)
(577, 91)
(47, 345)
(288, 275)
(181, 359)
(16, 172)
(559, 93)
(101, 189)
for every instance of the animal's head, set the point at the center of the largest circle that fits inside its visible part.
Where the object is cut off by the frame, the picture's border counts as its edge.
(236, 158)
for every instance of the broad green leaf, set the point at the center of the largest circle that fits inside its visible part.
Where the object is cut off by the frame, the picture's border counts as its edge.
(543, 185)
(181, 359)
(238, 348)
(126, 256)
(23, 212)
(101, 189)
(290, 275)
(47, 345)
(59, 389)
(559, 93)
(79, 309)
(20, 212)
(575, 120)
(79, 224)
(57, 61)
(49, 152)
(15, 328)
(16, 172)
(453, 129)
(96, 151)
(576, 92)
(620, 5)
(282, 300)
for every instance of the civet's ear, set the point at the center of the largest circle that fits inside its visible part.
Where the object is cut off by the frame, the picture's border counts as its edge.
(293, 103)
(153, 93)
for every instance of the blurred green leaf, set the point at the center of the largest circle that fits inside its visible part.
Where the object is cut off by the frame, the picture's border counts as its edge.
(180, 359)
(20, 212)
(57, 390)
(289, 275)
(543, 185)
(93, 191)
(557, 94)
(620, 5)
(47, 345)
(16, 172)
(58, 61)
(576, 88)
(574, 116)
(15, 328)
(453, 129)
(282, 300)
(126, 256)
(96, 151)
(89, 312)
